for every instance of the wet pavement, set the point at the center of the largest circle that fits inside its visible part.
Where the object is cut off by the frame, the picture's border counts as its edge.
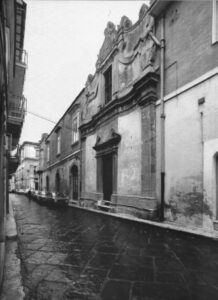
(70, 253)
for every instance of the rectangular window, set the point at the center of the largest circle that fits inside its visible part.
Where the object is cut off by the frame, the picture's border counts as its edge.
(75, 128)
(108, 84)
(58, 142)
(37, 153)
(48, 152)
(215, 22)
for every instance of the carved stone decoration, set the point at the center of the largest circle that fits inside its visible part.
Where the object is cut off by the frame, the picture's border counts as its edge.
(98, 139)
(143, 10)
(148, 54)
(89, 80)
(125, 23)
(149, 46)
(108, 44)
(85, 109)
(109, 145)
(148, 27)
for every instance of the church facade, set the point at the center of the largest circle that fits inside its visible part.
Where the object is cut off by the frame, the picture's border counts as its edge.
(118, 133)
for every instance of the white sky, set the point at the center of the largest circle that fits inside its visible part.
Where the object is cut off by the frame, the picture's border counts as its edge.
(63, 39)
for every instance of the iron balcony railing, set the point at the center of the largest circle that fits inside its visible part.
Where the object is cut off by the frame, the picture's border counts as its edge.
(17, 109)
(21, 56)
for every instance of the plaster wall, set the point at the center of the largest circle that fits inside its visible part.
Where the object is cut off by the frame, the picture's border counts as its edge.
(90, 164)
(188, 37)
(191, 132)
(129, 154)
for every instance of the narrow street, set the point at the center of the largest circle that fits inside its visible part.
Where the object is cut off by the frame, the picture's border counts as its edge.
(75, 254)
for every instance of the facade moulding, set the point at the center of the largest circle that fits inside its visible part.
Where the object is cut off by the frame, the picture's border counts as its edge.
(62, 160)
(109, 145)
(142, 93)
(190, 85)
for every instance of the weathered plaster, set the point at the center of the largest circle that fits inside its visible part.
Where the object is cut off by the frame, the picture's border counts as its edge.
(90, 164)
(190, 145)
(129, 154)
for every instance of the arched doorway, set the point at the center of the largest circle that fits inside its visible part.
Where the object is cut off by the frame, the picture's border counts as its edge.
(57, 182)
(74, 182)
(47, 184)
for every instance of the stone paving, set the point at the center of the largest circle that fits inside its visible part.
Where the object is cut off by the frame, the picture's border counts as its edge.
(75, 254)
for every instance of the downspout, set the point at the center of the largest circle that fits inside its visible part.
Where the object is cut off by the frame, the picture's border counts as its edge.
(162, 118)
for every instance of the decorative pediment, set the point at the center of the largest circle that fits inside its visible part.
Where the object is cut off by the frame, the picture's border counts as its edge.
(110, 34)
(112, 141)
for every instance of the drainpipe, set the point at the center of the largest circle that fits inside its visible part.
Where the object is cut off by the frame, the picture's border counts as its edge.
(162, 119)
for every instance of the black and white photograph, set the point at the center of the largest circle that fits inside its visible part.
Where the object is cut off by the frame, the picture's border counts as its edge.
(108, 150)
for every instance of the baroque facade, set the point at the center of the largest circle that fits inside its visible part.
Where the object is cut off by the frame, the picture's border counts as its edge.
(147, 142)
(118, 133)
(12, 103)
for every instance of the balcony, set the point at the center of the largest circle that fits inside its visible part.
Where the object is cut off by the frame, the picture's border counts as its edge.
(16, 115)
(13, 164)
(16, 110)
(21, 57)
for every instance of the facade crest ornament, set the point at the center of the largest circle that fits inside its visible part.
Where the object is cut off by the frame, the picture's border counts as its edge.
(150, 42)
(125, 23)
(89, 80)
(143, 10)
(110, 34)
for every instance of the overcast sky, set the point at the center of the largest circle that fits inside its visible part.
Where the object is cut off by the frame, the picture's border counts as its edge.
(62, 39)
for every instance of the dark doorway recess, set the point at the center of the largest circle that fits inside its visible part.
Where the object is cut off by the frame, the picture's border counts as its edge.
(74, 176)
(47, 184)
(57, 182)
(107, 176)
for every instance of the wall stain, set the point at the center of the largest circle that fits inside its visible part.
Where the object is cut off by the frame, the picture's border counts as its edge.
(190, 205)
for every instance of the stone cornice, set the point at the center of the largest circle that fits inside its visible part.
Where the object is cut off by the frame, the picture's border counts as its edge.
(142, 92)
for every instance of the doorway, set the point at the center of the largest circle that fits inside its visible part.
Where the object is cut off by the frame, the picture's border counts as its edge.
(57, 182)
(74, 182)
(47, 184)
(107, 176)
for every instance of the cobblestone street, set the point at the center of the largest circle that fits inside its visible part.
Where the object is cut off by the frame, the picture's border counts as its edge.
(75, 254)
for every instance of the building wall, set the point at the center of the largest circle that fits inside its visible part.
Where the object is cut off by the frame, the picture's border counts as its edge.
(25, 176)
(7, 75)
(64, 170)
(129, 154)
(190, 147)
(190, 127)
(90, 166)
(25, 173)
(69, 155)
(188, 35)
